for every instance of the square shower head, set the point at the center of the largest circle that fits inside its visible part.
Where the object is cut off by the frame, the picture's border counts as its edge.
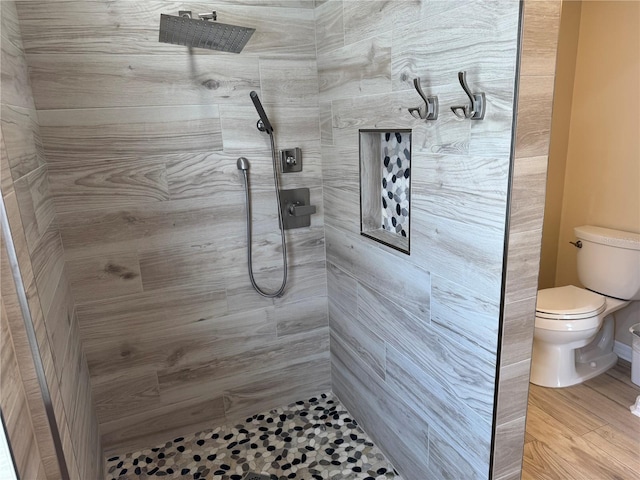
(182, 30)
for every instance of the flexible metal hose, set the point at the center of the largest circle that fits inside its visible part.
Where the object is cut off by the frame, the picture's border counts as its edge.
(280, 291)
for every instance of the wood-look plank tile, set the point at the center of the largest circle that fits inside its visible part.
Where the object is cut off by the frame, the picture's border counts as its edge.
(6, 182)
(133, 431)
(621, 445)
(513, 392)
(136, 314)
(445, 461)
(485, 45)
(59, 319)
(206, 175)
(48, 264)
(364, 19)
(305, 282)
(361, 339)
(466, 188)
(587, 460)
(517, 331)
(370, 265)
(535, 102)
(36, 204)
(538, 56)
(96, 135)
(290, 80)
(362, 68)
(14, 403)
(427, 397)
(493, 135)
(340, 170)
(449, 135)
(294, 126)
(182, 345)
(380, 412)
(279, 387)
(243, 365)
(619, 392)
(301, 316)
(334, 200)
(469, 255)
(106, 276)
(528, 194)
(16, 88)
(542, 462)
(147, 227)
(108, 80)
(342, 291)
(464, 314)
(524, 261)
(23, 144)
(437, 355)
(81, 187)
(326, 129)
(329, 24)
(10, 25)
(134, 394)
(571, 415)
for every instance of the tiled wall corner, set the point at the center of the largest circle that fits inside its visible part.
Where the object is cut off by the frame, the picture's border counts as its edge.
(32, 218)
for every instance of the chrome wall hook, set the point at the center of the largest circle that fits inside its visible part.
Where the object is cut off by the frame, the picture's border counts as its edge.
(477, 103)
(428, 111)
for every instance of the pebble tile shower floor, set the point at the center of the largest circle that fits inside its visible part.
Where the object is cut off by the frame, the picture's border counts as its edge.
(307, 440)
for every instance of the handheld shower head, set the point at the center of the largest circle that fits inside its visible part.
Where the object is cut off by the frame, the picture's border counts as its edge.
(261, 113)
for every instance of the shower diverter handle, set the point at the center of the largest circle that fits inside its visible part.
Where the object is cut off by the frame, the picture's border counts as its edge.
(298, 210)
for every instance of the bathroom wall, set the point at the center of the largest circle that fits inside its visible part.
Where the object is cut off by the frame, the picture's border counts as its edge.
(32, 217)
(142, 140)
(540, 25)
(603, 158)
(561, 121)
(414, 338)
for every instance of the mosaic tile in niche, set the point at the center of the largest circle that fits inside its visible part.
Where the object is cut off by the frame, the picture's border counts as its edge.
(395, 182)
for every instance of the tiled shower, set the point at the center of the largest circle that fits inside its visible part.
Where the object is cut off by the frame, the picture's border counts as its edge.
(127, 209)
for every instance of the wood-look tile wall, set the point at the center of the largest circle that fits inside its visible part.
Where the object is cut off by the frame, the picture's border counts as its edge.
(414, 338)
(142, 140)
(541, 22)
(31, 214)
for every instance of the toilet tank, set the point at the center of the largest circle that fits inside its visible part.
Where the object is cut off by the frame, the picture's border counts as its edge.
(609, 261)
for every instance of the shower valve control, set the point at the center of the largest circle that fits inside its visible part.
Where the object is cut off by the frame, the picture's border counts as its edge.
(291, 160)
(296, 208)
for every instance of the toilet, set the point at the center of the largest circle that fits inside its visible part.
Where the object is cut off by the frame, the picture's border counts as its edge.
(574, 327)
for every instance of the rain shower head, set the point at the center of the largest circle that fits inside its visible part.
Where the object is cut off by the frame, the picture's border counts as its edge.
(190, 32)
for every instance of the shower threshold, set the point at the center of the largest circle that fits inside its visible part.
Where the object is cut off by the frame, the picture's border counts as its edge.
(315, 439)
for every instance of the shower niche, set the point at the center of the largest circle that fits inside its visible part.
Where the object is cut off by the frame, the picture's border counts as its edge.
(385, 186)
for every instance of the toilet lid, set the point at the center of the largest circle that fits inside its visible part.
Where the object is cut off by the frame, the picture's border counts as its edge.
(569, 302)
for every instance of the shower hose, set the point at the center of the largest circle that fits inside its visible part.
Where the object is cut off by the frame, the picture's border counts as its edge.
(245, 169)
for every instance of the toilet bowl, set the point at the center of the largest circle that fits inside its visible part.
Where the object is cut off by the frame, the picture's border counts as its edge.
(574, 327)
(573, 336)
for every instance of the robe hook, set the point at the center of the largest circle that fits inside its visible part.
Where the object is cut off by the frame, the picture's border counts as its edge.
(477, 102)
(428, 111)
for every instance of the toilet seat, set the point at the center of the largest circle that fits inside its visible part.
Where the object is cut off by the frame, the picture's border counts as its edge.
(569, 308)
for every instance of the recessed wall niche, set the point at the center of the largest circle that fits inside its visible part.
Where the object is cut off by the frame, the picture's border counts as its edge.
(385, 186)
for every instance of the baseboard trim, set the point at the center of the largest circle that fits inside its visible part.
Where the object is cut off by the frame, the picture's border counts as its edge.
(622, 350)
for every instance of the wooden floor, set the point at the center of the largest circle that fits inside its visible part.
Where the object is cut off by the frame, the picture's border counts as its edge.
(584, 432)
